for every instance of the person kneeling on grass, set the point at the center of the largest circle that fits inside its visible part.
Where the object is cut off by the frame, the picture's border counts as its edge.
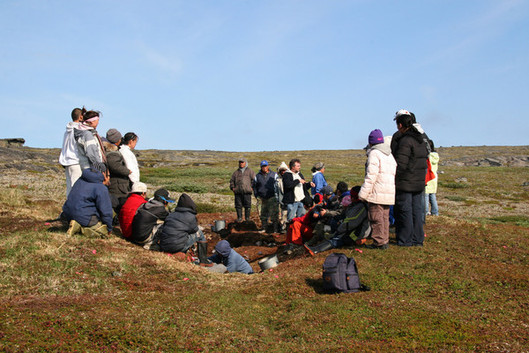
(180, 230)
(354, 227)
(88, 208)
(228, 260)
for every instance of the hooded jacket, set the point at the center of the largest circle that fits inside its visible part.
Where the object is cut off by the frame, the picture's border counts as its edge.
(319, 180)
(265, 185)
(127, 213)
(431, 187)
(410, 152)
(119, 173)
(379, 182)
(89, 149)
(178, 226)
(233, 261)
(242, 180)
(147, 216)
(89, 197)
(68, 154)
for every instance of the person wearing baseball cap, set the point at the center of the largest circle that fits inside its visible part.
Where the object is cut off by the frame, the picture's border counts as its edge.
(265, 193)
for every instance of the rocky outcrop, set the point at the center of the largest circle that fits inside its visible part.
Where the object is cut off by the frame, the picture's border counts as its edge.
(15, 142)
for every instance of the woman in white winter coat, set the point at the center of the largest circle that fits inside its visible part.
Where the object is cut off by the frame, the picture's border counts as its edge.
(378, 188)
(129, 143)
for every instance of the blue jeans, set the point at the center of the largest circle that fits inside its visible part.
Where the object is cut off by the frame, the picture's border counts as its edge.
(193, 238)
(409, 216)
(294, 210)
(431, 199)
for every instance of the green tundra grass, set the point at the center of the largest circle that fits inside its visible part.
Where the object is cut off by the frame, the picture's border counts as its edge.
(465, 291)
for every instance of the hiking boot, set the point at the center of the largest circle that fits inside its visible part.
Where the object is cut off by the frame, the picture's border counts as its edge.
(202, 250)
(74, 228)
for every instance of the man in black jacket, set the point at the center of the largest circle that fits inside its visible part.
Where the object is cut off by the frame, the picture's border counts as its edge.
(411, 153)
(294, 186)
(149, 218)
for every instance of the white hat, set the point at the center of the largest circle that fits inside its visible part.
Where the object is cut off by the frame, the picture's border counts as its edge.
(139, 187)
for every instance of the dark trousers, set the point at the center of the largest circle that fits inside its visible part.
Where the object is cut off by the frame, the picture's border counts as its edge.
(243, 201)
(409, 213)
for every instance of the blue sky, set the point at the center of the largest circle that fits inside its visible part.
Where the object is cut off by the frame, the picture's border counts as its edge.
(266, 75)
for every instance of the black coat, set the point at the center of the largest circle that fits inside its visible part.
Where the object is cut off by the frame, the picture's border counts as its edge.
(411, 154)
(146, 218)
(288, 186)
(177, 228)
(119, 175)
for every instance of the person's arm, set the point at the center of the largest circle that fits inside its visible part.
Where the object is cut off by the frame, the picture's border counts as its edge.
(232, 181)
(104, 206)
(115, 165)
(372, 171)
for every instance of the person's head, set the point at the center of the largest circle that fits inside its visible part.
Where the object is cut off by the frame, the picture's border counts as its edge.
(375, 137)
(90, 117)
(341, 188)
(139, 188)
(355, 190)
(404, 119)
(242, 162)
(264, 166)
(223, 248)
(77, 115)
(317, 198)
(318, 167)
(187, 202)
(130, 139)
(294, 165)
(114, 137)
(327, 192)
(162, 195)
(282, 168)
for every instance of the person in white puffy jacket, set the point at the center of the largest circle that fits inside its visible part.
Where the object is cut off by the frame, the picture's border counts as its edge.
(378, 188)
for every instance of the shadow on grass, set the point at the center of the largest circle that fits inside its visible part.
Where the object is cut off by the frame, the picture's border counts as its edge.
(317, 285)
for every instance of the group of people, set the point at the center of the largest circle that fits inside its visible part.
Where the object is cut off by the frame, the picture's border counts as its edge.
(400, 184)
(103, 189)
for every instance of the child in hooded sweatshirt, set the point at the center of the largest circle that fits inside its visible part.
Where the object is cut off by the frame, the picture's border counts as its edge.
(229, 258)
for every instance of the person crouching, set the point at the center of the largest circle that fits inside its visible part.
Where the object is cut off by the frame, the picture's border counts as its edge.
(227, 259)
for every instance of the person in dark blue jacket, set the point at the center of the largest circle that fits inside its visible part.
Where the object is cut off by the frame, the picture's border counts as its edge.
(228, 257)
(88, 207)
(180, 230)
(265, 193)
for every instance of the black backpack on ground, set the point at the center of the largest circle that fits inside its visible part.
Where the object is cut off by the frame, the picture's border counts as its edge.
(341, 275)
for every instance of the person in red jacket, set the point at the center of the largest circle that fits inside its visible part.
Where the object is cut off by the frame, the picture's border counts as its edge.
(134, 201)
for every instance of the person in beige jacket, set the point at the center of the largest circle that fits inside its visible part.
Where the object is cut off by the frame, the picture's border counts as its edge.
(378, 188)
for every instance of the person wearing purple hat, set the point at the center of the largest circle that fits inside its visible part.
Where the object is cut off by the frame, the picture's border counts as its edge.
(378, 188)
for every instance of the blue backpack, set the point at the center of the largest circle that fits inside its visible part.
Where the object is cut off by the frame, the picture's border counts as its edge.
(341, 275)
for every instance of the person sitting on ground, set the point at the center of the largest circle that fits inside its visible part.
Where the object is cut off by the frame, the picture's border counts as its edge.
(343, 193)
(318, 178)
(119, 187)
(301, 228)
(354, 227)
(378, 188)
(228, 260)
(89, 145)
(149, 218)
(128, 211)
(180, 230)
(88, 208)
(130, 140)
